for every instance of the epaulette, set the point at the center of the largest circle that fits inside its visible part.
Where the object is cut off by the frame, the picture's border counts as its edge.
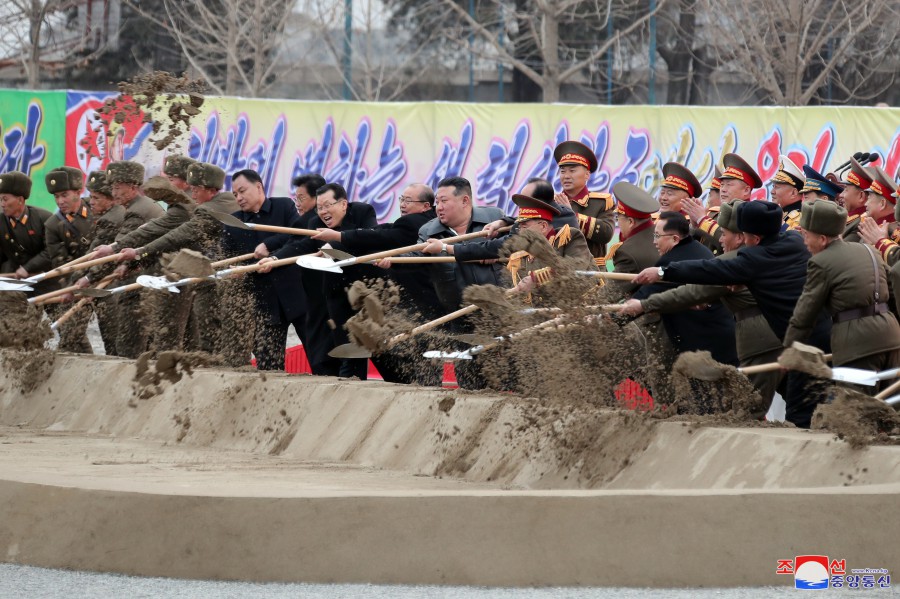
(792, 220)
(612, 251)
(708, 225)
(515, 263)
(885, 247)
(562, 237)
(851, 219)
(542, 276)
(606, 197)
(712, 210)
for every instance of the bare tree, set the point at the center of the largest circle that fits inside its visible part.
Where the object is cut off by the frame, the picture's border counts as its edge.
(233, 45)
(562, 38)
(800, 52)
(386, 56)
(39, 36)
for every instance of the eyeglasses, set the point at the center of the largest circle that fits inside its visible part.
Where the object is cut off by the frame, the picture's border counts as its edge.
(657, 235)
(408, 200)
(325, 207)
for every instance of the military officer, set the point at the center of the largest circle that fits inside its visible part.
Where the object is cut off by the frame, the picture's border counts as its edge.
(529, 272)
(786, 186)
(108, 216)
(679, 192)
(202, 232)
(175, 169)
(853, 198)
(125, 178)
(22, 231)
(713, 198)
(635, 250)
(67, 236)
(878, 227)
(594, 210)
(817, 187)
(738, 180)
(849, 281)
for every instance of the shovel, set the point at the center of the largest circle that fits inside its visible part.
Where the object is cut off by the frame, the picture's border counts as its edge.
(351, 350)
(12, 285)
(80, 304)
(329, 265)
(233, 221)
(470, 353)
(339, 255)
(65, 269)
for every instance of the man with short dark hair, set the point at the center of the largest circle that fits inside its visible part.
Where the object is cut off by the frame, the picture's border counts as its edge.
(275, 294)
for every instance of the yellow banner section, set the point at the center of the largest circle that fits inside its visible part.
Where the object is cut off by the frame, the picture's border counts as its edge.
(375, 150)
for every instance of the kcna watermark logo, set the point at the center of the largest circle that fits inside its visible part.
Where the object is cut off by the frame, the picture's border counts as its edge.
(817, 572)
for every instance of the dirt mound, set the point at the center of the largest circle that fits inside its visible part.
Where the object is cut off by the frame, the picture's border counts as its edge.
(21, 326)
(23, 332)
(169, 366)
(378, 319)
(186, 263)
(163, 99)
(858, 419)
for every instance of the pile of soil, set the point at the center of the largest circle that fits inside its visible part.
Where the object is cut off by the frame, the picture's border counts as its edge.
(163, 99)
(378, 318)
(168, 366)
(24, 361)
(703, 386)
(858, 419)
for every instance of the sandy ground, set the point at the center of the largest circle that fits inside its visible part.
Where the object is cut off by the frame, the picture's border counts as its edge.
(229, 475)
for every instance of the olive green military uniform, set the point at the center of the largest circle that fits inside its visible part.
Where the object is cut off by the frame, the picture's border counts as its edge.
(106, 228)
(756, 343)
(850, 282)
(66, 238)
(203, 233)
(167, 312)
(131, 329)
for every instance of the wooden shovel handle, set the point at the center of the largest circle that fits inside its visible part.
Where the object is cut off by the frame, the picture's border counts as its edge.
(233, 260)
(889, 390)
(78, 305)
(66, 269)
(615, 276)
(420, 246)
(768, 367)
(288, 230)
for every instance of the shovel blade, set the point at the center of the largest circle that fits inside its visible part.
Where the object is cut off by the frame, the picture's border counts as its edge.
(157, 283)
(447, 355)
(9, 285)
(856, 376)
(227, 219)
(317, 263)
(350, 351)
(337, 254)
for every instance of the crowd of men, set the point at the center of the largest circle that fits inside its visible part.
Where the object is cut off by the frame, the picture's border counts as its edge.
(741, 279)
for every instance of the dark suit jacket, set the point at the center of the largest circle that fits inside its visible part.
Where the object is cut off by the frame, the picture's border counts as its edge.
(415, 279)
(278, 294)
(774, 271)
(710, 329)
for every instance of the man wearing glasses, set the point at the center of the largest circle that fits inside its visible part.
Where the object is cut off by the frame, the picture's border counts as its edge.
(335, 212)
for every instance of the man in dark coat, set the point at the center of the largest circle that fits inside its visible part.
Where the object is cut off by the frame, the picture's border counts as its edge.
(316, 335)
(335, 211)
(772, 265)
(275, 293)
(710, 329)
(417, 293)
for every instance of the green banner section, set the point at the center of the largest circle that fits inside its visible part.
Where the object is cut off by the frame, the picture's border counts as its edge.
(33, 134)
